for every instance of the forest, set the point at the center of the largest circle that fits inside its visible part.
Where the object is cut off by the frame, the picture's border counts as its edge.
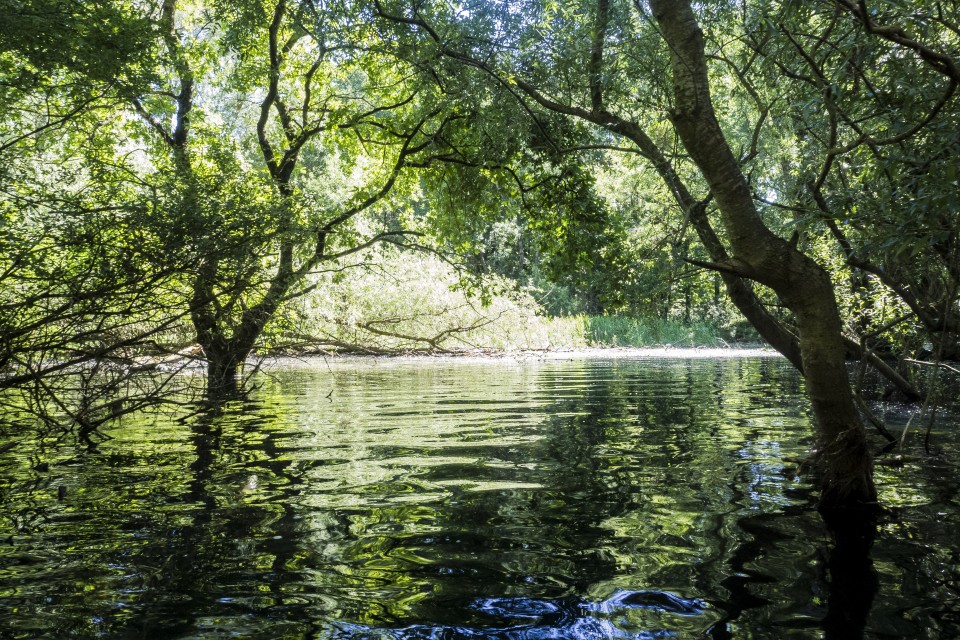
(192, 189)
(206, 181)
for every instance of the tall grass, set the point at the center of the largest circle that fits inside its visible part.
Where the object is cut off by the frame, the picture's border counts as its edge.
(622, 331)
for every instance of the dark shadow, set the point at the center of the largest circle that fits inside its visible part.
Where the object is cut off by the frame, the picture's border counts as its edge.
(853, 583)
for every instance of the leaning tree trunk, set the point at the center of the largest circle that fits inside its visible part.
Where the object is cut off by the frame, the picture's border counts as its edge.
(758, 254)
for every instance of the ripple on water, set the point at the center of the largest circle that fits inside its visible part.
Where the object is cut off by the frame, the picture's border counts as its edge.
(557, 499)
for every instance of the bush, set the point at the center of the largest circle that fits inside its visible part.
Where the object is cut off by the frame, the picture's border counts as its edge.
(403, 302)
(407, 302)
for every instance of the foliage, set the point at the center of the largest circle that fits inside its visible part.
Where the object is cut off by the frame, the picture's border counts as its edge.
(620, 331)
(183, 174)
(851, 152)
(844, 137)
(85, 284)
(396, 302)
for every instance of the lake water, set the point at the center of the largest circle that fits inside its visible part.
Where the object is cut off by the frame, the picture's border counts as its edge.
(581, 498)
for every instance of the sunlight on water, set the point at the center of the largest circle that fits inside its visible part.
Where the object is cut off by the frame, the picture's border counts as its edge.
(448, 499)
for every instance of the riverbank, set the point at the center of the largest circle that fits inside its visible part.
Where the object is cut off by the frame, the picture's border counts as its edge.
(593, 353)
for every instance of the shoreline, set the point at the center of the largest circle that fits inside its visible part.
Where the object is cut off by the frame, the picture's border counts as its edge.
(524, 356)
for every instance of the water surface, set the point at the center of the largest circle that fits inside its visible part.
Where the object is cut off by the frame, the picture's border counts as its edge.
(585, 498)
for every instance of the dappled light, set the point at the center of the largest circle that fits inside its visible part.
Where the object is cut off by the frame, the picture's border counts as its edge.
(572, 239)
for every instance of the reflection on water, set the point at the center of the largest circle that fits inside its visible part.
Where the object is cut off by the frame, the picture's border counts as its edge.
(443, 499)
(529, 619)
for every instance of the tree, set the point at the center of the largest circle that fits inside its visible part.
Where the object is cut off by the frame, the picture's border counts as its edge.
(81, 276)
(257, 198)
(226, 151)
(873, 115)
(255, 141)
(758, 254)
(213, 157)
(631, 69)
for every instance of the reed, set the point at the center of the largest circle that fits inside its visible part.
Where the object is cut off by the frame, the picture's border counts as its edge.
(623, 331)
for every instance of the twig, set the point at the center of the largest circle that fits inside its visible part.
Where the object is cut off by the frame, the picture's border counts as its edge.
(931, 364)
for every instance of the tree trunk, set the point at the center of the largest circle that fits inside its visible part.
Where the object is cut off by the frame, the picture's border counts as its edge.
(758, 254)
(223, 374)
(225, 355)
(844, 457)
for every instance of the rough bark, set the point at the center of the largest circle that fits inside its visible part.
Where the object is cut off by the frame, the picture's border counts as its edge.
(760, 255)
(223, 375)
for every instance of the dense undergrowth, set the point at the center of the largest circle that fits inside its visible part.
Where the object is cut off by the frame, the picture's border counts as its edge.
(422, 304)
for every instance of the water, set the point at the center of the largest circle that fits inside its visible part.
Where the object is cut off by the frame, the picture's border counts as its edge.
(452, 499)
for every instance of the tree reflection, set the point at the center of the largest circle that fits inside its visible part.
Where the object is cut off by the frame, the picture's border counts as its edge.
(853, 583)
(565, 499)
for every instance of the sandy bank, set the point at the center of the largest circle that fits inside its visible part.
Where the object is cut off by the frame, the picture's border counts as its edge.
(604, 353)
